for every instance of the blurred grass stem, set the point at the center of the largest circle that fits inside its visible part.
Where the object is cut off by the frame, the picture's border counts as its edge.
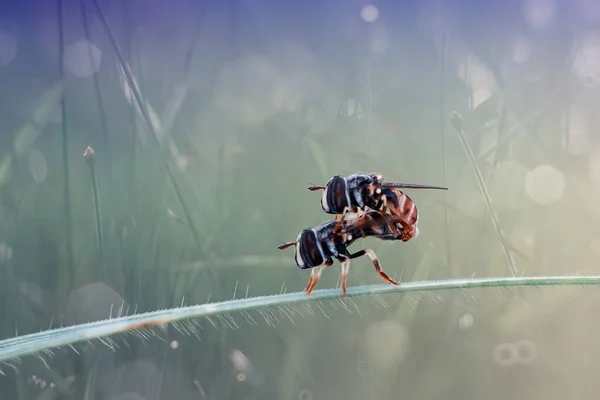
(65, 144)
(142, 106)
(90, 156)
(456, 121)
(443, 122)
(103, 123)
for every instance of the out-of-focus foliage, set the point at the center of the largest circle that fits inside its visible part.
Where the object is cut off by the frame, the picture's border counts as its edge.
(250, 105)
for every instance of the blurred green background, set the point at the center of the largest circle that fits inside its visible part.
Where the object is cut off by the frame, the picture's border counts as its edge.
(244, 105)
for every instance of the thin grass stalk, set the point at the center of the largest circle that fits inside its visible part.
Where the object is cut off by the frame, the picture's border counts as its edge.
(456, 120)
(103, 123)
(444, 163)
(142, 106)
(69, 335)
(65, 145)
(90, 157)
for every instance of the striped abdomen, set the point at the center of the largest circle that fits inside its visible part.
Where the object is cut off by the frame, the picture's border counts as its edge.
(400, 205)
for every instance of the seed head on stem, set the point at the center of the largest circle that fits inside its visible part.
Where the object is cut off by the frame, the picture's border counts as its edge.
(89, 153)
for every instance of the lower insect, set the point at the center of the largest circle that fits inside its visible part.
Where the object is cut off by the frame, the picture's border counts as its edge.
(316, 248)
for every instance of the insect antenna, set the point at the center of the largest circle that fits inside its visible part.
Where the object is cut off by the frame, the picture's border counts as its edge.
(316, 187)
(286, 245)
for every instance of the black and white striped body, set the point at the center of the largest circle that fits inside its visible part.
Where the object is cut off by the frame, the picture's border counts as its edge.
(315, 246)
(349, 193)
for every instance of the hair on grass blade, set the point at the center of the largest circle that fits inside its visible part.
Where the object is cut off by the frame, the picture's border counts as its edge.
(40, 341)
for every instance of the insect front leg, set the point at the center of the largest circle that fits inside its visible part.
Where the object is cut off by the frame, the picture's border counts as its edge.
(315, 275)
(376, 264)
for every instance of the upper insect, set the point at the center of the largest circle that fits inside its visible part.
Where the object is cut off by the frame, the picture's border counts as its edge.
(360, 192)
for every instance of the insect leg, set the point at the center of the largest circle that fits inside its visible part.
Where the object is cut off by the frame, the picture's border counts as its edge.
(315, 275)
(409, 232)
(344, 275)
(339, 224)
(376, 264)
(343, 217)
(384, 207)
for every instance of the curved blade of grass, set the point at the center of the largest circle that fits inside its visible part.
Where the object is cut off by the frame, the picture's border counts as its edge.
(444, 162)
(143, 107)
(456, 121)
(40, 341)
(318, 156)
(68, 212)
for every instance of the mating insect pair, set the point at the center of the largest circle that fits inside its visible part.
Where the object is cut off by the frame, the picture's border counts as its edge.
(382, 211)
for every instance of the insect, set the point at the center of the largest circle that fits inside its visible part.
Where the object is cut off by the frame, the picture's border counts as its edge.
(316, 247)
(360, 192)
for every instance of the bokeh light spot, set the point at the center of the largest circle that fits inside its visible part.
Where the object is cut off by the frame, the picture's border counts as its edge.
(586, 62)
(526, 351)
(82, 58)
(249, 89)
(545, 184)
(369, 13)
(505, 354)
(539, 13)
(466, 321)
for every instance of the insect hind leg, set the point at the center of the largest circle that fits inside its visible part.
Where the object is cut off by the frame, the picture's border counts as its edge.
(376, 264)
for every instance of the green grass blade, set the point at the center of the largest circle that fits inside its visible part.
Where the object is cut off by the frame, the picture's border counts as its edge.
(36, 342)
